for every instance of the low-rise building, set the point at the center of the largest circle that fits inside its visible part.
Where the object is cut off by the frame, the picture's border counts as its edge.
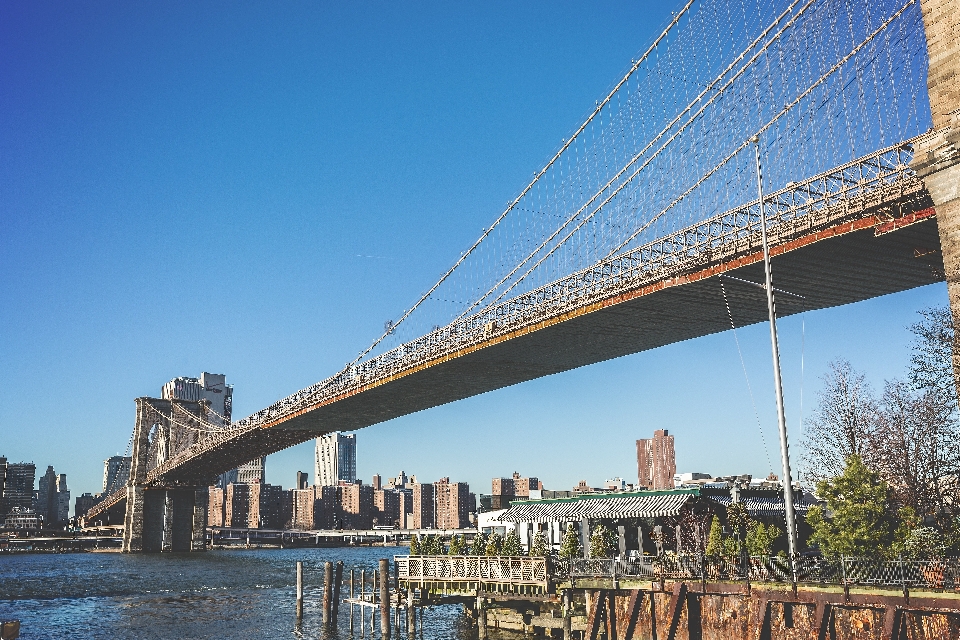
(686, 479)
(19, 519)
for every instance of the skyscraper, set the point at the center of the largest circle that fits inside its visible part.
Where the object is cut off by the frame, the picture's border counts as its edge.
(63, 498)
(213, 388)
(116, 472)
(335, 459)
(47, 505)
(18, 489)
(3, 482)
(302, 480)
(656, 462)
(53, 498)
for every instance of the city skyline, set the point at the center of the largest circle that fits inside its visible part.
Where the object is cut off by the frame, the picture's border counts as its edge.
(274, 195)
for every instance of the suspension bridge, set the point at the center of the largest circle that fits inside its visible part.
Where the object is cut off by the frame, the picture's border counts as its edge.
(644, 229)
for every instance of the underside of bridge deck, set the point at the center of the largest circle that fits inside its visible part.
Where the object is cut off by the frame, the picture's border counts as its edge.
(847, 263)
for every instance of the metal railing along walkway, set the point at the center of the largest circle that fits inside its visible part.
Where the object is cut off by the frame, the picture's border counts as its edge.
(845, 570)
(516, 570)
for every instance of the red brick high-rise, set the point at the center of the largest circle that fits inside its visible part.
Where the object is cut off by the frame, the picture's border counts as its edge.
(422, 516)
(452, 500)
(656, 462)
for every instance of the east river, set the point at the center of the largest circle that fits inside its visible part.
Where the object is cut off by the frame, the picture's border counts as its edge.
(217, 594)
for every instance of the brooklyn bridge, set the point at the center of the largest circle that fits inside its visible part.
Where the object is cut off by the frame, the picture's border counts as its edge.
(644, 229)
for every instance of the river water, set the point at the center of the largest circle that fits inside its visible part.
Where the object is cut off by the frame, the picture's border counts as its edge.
(218, 594)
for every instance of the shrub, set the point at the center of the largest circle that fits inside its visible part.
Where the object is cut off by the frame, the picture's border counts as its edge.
(603, 542)
(924, 543)
(511, 545)
(458, 546)
(479, 546)
(540, 548)
(494, 545)
(570, 547)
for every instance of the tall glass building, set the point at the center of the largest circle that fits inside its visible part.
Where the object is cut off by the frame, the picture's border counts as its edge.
(335, 459)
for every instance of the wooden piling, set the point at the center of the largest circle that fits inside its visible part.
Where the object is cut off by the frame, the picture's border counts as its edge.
(351, 601)
(299, 589)
(337, 582)
(411, 613)
(481, 619)
(327, 593)
(385, 598)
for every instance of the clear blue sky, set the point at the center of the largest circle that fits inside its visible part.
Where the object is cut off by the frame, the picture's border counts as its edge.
(252, 189)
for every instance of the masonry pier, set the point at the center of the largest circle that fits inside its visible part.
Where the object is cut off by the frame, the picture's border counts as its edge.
(163, 518)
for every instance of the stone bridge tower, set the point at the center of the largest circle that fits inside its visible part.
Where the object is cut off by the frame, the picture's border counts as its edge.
(937, 156)
(163, 518)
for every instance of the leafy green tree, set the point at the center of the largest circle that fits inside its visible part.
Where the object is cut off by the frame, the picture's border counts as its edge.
(570, 547)
(479, 547)
(762, 538)
(715, 542)
(458, 545)
(603, 542)
(540, 547)
(415, 545)
(494, 545)
(431, 545)
(511, 544)
(862, 520)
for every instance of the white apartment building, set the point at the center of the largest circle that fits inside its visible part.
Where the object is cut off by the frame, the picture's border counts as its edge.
(335, 459)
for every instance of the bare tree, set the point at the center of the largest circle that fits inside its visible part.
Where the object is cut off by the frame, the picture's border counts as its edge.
(916, 447)
(935, 353)
(843, 425)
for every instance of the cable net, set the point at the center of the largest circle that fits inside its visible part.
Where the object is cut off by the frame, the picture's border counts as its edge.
(819, 82)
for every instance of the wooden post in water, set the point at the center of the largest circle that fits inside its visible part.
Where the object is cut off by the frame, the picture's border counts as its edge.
(385, 599)
(299, 589)
(411, 613)
(327, 593)
(481, 619)
(351, 600)
(337, 581)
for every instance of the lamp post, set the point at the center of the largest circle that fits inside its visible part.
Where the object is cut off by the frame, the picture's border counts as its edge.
(778, 383)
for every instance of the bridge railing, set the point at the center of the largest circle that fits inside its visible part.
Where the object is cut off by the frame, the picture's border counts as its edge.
(845, 193)
(898, 573)
(493, 569)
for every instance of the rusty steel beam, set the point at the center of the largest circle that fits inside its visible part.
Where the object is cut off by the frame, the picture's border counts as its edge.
(633, 613)
(677, 600)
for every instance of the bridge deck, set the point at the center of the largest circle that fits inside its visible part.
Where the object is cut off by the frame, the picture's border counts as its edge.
(836, 266)
(863, 230)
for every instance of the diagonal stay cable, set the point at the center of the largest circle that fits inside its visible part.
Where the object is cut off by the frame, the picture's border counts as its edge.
(709, 87)
(645, 165)
(540, 174)
(769, 124)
